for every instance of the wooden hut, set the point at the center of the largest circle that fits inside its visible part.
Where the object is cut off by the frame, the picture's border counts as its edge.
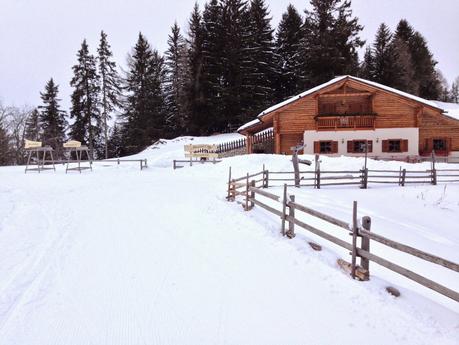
(340, 116)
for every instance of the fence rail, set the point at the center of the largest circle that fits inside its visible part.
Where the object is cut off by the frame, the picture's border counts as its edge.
(142, 162)
(363, 234)
(362, 178)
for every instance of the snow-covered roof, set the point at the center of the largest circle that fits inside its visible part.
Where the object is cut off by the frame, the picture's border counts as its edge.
(450, 109)
(433, 104)
(249, 124)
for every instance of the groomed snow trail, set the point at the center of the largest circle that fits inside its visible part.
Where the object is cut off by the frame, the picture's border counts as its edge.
(119, 256)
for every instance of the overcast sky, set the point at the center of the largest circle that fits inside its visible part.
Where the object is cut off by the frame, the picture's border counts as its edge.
(39, 38)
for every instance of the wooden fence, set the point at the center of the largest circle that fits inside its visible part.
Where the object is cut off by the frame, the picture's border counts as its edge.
(363, 178)
(258, 138)
(359, 246)
(231, 145)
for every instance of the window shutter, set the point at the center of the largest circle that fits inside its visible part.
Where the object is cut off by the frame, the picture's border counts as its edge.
(350, 146)
(385, 146)
(404, 146)
(429, 145)
(316, 146)
(334, 147)
(370, 145)
(448, 145)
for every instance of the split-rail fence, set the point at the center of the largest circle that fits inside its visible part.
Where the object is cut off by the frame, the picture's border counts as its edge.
(252, 188)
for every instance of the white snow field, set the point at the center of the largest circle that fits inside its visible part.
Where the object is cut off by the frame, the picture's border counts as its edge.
(123, 256)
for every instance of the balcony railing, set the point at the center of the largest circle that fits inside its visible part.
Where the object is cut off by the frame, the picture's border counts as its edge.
(345, 122)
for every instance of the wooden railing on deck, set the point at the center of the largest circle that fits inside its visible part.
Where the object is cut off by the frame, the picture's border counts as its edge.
(350, 122)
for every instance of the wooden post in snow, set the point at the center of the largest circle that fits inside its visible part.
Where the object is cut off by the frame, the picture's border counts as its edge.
(291, 213)
(284, 209)
(354, 239)
(364, 262)
(229, 183)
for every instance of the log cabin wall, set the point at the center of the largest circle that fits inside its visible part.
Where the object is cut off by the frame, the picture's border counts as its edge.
(433, 125)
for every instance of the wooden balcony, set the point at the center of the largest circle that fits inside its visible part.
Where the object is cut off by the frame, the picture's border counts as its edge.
(345, 122)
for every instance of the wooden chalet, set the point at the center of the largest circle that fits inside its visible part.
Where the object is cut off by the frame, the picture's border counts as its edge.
(340, 116)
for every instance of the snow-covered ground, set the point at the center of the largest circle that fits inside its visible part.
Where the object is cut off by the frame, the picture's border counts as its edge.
(123, 256)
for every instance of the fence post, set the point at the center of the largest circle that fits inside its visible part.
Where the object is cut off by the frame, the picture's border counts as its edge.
(354, 239)
(252, 195)
(318, 178)
(364, 178)
(364, 262)
(267, 179)
(403, 177)
(284, 209)
(433, 171)
(229, 184)
(118, 161)
(247, 193)
(291, 213)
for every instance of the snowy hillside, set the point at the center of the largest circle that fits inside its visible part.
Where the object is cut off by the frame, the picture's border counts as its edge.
(123, 256)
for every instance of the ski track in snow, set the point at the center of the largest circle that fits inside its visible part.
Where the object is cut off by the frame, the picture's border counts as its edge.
(120, 256)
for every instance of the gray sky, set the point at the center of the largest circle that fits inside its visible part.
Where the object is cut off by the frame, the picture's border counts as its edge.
(39, 38)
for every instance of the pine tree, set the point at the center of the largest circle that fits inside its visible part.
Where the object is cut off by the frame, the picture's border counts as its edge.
(85, 101)
(385, 59)
(288, 38)
(33, 126)
(235, 63)
(52, 118)
(330, 41)
(258, 82)
(424, 68)
(115, 142)
(367, 67)
(110, 86)
(455, 91)
(212, 68)
(145, 106)
(194, 87)
(176, 81)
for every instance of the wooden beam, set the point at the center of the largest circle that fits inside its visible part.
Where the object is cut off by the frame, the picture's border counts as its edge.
(328, 95)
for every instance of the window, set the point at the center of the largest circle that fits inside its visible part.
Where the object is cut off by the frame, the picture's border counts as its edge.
(359, 146)
(439, 144)
(325, 147)
(394, 146)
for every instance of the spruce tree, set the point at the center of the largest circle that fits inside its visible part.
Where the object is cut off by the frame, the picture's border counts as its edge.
(52, 118)
(235, 63)
(32, 129)
(115, 142)
(455, 91)
(258, 81)
(424, 68)
(85, 100)
(288, 38)
(144, 112)
(330, 41)
(212, 67)
(110, 86)
(386, 69)
(176, 81)
(194, 92)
